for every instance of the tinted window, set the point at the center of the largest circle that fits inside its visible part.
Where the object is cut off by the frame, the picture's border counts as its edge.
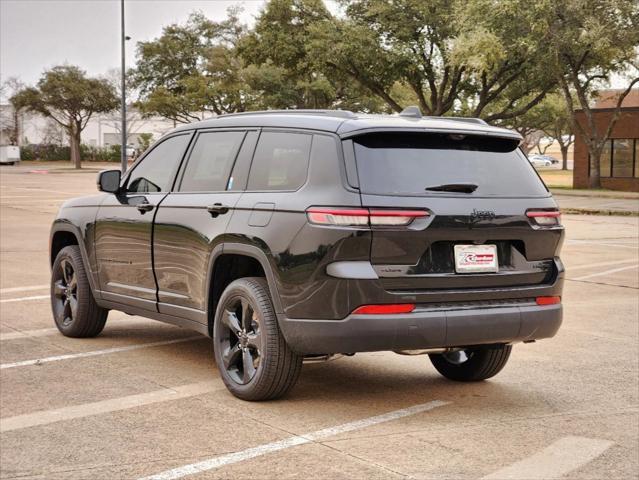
(406, 164)
(155, 172)
(622, 153)
(604, 162)
(280, 161)
(211, 161)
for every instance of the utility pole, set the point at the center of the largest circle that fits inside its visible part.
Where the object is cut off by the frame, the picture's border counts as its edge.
(123, 88)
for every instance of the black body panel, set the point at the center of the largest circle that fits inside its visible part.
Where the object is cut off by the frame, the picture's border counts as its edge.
(159, 261)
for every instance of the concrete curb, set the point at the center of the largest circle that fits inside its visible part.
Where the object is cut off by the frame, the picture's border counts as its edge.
(594, 211)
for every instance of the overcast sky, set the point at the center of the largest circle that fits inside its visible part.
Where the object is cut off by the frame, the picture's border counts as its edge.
(38, 34)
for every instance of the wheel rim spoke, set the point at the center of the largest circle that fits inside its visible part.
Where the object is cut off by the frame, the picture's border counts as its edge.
(255, 340)
(247, 365)
(231, 355)
(247, 314)
(58, 289)
(73, 282)
(67, 271)
(231, 321)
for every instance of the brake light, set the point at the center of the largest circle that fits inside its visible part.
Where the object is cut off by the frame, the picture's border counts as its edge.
(548, 300)
(387, 309)
(362, 216)
(544, 218)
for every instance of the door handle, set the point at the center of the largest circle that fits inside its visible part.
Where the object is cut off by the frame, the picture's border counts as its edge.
(217, 209)
(144, 207)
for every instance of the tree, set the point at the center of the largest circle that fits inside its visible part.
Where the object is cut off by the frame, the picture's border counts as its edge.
(284, 74)
(133, 118)
(590, 40)
(450, 53)
(11, 122)
(559, 126)
(66, 95)
(192, 69)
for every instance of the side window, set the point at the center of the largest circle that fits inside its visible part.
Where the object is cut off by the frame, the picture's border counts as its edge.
(280, 161)
(211, 161)
(155, 172)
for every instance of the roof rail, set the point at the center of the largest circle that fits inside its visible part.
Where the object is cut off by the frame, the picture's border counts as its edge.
(461, 119)
(411, 111)
(302, 111)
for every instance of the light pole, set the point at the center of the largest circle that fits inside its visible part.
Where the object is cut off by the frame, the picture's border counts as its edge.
(123, 88)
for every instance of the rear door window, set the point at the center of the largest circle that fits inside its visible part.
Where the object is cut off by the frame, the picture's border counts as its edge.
(211, 161)
(280, 161)
(409, 163)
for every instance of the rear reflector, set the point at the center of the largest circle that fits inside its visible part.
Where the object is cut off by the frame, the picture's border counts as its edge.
(384, 309)
(362, 217)
(548, 300)
(544, 218)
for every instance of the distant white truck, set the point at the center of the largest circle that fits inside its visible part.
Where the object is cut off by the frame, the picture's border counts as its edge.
(9, 154)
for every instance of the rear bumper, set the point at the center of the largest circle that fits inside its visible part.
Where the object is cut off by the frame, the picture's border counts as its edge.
(432, 327)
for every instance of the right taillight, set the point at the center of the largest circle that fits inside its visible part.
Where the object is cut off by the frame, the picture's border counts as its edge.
(362, 216)
(544, 218)
(541, 301)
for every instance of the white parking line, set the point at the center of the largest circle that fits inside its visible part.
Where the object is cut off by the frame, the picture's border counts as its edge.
(105, 406)
(217, 462)
(606, 272)
(93, 353)
(598, 264)
(560, 457)
(24, 299)
(603, 244)
(23, 289)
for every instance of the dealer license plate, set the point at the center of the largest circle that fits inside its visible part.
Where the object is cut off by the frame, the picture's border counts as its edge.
(476, 258)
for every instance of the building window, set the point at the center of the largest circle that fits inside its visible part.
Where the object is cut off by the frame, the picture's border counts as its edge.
(619, 158)
(622, 161)
(606, 160)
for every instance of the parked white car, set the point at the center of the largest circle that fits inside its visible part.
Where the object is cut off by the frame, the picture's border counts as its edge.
(539, 161)
(9, 154)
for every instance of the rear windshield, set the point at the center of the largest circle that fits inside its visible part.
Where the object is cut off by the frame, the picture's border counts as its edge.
(411, 163)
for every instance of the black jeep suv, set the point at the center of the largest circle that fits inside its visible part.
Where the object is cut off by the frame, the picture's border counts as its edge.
(287, 235)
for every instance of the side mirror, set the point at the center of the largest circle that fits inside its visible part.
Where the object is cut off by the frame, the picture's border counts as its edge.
(109, 181)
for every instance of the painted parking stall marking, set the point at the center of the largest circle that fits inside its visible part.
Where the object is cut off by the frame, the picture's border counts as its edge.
(318, 435)
(554, 461)
(106, 351)
(106, 406)
(23, 299)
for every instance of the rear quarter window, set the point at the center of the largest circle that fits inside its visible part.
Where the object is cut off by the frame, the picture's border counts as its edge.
(280, 161)
(408, 163)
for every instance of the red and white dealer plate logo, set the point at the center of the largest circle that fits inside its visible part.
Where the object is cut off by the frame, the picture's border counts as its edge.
(476, 259)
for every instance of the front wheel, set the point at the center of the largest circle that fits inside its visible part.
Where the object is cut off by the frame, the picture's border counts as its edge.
(74, 309)
(251, 353)
(472, 364)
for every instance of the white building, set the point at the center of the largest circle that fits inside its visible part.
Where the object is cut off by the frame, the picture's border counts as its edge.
(102, 130)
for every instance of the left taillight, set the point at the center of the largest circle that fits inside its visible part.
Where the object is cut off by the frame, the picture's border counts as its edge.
(544, 218)
(362, 216)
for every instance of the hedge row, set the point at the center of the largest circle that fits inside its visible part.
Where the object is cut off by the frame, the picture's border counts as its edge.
(88, 153)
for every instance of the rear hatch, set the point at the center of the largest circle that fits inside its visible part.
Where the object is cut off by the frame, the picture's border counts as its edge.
(490, 221)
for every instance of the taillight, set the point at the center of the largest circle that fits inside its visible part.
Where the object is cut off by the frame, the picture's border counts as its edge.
(362, 216)
(387, 309)
(544, 218)
(548, 300)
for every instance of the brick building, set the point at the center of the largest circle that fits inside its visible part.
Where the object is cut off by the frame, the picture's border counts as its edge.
(620, 157)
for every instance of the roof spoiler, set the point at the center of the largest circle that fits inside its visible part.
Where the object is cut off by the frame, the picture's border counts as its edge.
(413, 111)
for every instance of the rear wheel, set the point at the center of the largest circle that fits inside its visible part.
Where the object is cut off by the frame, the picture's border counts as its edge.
(472, 364)
(251, 354)
(74, 309)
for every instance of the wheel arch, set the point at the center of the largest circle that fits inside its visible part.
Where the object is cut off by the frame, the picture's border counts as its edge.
(64, 234)
(255, 257)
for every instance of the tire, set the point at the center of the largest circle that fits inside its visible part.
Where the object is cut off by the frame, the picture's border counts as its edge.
(74, 309)
(480, 363)
(246, 334)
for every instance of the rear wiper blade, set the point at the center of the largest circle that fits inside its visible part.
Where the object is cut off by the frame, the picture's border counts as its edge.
(453, 187)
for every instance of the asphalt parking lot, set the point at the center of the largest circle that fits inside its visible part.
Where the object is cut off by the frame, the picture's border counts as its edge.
(145, 398)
